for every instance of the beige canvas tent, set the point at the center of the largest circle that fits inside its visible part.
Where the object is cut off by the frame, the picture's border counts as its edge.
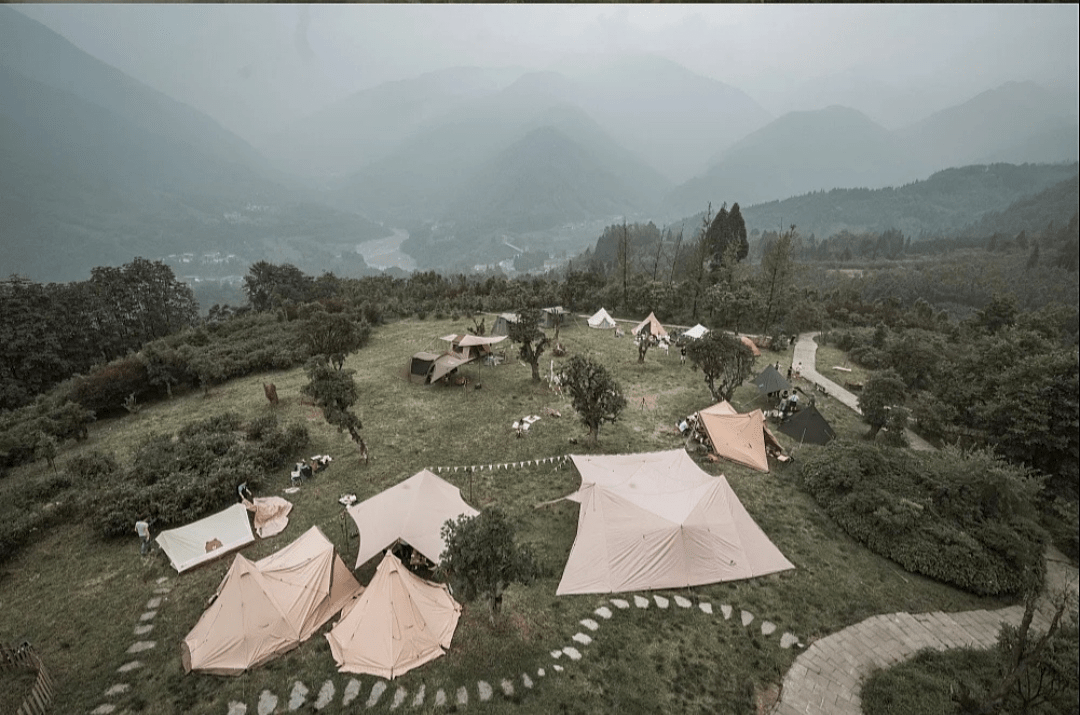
(428, 368)
(657, 520)
(401, 622)
(413, 511)
(502, 322)
(601, 320)
(655, 328)
(268, 607)
(207, 539)
(472, 347)
(741, 438)
(750, 344)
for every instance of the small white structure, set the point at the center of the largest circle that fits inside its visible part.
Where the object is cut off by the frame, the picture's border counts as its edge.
(602, 320)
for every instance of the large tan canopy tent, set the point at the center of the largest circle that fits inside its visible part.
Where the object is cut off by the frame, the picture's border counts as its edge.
(268, 607)
(401, 622)
(655, 328)
(413, 511)
(472, 347)
(741, 438)
(207, 539)
(657, 520)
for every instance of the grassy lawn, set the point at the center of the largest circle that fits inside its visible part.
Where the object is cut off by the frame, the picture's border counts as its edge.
(77, 597)
(829, 357)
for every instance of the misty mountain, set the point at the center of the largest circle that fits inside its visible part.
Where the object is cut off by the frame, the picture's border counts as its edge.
(1055, 205)
(799, 152)
(839, 147)
(945, 203)
(674, 118)
(369, 125)
(1006, 122)
(541, 181)
(99, 168)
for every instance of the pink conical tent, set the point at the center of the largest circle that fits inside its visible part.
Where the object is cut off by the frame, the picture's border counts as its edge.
(265, 608)
(738, 437)
(655, 328)
(657, 520)
(401, 622)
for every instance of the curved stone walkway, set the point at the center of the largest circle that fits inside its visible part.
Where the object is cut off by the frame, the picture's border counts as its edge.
(298, 697)
(827, 677)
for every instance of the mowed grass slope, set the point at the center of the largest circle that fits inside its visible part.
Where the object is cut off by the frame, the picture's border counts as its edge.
(77, 597)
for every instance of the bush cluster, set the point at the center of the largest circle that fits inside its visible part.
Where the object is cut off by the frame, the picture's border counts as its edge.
(968, 519)
(175, 479)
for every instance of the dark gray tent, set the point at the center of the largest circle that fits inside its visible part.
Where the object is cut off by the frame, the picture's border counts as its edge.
(808, 425)
(770, 381)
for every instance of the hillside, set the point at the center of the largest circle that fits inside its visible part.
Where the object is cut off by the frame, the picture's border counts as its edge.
(100, 168)
(946, 202)
(1055, 205)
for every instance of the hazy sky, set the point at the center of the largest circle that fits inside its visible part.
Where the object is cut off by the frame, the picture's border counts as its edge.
(254, 67)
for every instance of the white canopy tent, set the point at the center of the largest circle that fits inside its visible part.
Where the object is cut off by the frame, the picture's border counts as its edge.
(601, 320)
(207, 539)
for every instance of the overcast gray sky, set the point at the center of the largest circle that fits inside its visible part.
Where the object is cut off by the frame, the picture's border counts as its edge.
(256, 66)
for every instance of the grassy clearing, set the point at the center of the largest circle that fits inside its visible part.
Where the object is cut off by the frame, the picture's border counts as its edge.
(828, 357)
(926, 683)
(77, 597)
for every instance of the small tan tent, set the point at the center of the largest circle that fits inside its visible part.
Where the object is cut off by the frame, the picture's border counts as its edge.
(428, 368)
(401, 622)
(207, 539)
(268, 607)
(601, 320)
(502, 322)
(413, 511)
(750, 344)
(738, 437)
(657, 520)
(655, 328)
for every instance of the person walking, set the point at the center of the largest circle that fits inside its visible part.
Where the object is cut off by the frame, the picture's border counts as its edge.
(142, 528)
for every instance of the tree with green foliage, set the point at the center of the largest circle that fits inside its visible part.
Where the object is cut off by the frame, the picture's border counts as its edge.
(332, 336)
(725, 360)
(726, 238)
(482, 559)
(267, 285)
(334, 391)
(594, 393)
(883, 390)
(777, 276)
(526, 331)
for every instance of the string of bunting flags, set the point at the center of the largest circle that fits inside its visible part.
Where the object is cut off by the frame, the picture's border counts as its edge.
(562, 459)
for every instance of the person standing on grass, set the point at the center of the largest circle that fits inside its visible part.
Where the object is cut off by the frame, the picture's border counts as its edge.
(142, 528)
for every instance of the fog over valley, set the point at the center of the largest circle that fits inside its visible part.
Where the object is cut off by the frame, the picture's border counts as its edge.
(360, 138)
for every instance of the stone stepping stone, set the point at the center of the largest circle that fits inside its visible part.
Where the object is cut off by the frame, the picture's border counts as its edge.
(682, 602)
(117, 689)
(140, 646)
(267, 703)
(557, 667)
(462, 696)
(661, 602)
(418, 699)
(399, 698)
(726, 610)
(144, 629)
(153, 603)
(571, 652)
(747, 617)
(162, 590)
(127, 667)
(641, 602)
(620, 603)
(440, 698)
(526, 680)
(604, 612)
(326, 695)
(590, 624)
(483, 690)
(581, 638)
(352, 690)
(768, 628)
(705, 608)
(148, 616)
(298, 696)
(162, 579)
(556, 654)
(507, 688)
(787, 640)
(376, 692)
(237, 708)
(104, 709)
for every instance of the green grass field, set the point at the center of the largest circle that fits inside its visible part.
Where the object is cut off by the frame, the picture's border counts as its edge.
(78, 597)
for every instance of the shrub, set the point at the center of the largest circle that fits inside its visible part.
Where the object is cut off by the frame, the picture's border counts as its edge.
(92, 467)
(107, 386)
(967, 519)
